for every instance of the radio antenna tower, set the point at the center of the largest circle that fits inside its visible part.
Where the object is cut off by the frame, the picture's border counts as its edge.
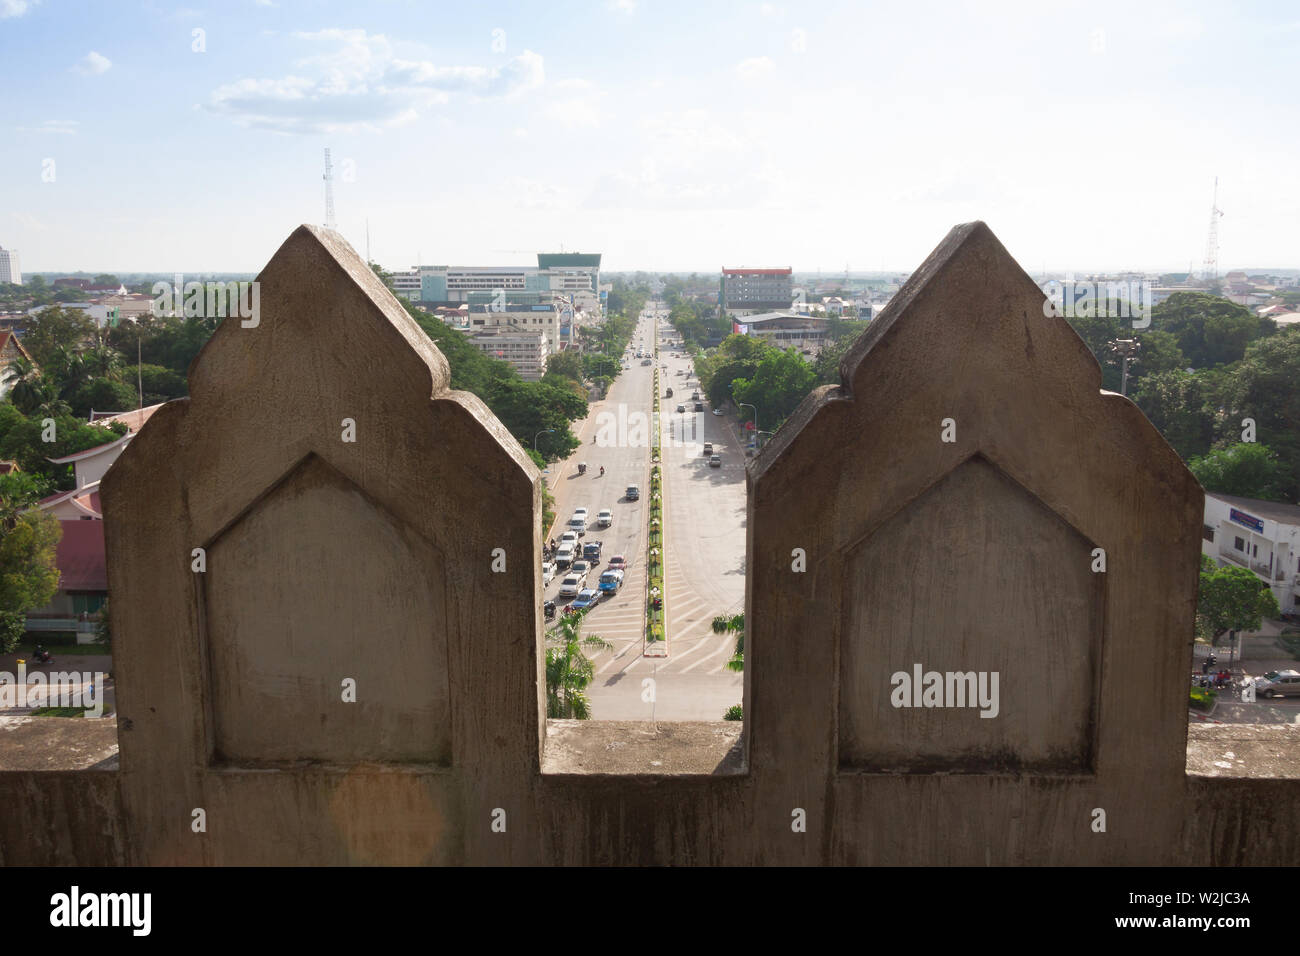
(1210, 268)
(329, 192)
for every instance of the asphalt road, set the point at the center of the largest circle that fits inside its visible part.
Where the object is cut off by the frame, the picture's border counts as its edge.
(705, 540)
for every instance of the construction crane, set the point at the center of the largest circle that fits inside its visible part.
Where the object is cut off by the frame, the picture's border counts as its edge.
(1210, 268)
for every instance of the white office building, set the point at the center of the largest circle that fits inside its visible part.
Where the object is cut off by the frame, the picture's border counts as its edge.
(1261, 536)
(10, 271)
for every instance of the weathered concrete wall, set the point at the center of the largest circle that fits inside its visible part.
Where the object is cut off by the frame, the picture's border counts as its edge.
(372, 560)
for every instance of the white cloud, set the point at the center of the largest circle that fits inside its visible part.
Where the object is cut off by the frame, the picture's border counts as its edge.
(771, 10)
(52, 126)
(15, 8)
(754, 67)
(626, 6)
(92, 64)
(358, 83)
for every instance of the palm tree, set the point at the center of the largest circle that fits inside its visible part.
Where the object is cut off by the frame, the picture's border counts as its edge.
(24, 379)
(104, 361)
(736, 625)
(568, 670)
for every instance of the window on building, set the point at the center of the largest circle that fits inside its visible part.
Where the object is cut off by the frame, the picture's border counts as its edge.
(1207, 532)
(1239, 544)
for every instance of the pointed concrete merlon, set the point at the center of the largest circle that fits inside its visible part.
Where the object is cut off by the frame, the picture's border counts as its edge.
(972, 554)
(351, 507)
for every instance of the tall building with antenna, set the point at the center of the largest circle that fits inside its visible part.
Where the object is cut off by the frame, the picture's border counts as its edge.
(329, 192)
(1210, 268)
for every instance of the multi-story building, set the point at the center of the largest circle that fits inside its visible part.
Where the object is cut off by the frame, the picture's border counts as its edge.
(785, 329)
(407, 284)
(574, 275)
(1261, 536)
(522, 311)
(10, 271)
(748, 291)
(525, 350)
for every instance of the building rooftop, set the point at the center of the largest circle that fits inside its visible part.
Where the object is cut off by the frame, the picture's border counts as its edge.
(1272, 510)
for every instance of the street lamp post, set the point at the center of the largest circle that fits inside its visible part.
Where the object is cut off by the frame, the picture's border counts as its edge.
(1127, 349)
(544, 431)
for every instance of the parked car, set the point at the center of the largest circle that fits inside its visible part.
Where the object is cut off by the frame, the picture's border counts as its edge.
(611, 581)
(572, 584)
(708, 448)
(632, 493)
(548, 572)
(587, 598)
(1278, 684)
(715, 461)
(717, 411)
(605, 518)
(617, 563)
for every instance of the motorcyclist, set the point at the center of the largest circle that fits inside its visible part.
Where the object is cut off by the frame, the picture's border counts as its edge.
(602, 471)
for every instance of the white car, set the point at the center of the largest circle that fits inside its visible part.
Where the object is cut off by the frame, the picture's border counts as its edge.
(569, 539)
(548, 572)
(605, 518)
(580, 513)
(578, 525)
(572, 584)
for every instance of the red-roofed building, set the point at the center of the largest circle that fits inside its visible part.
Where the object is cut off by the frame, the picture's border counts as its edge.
(83, 583)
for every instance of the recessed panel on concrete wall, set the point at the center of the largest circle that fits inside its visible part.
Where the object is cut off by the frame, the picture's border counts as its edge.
(929, 685)
(313, 586)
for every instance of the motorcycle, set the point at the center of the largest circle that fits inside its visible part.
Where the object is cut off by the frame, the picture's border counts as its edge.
(43, 657)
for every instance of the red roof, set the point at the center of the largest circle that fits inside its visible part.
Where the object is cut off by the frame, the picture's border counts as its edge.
(81, 557)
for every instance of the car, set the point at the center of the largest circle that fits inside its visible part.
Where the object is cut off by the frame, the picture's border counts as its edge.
(695, 396)
(617, 563)
(580, 566)
(587, 598)
(572, 584)
(580, 512)
(681, 408)
(563, 558)
(605, 518)
(611, 581)
(699, 406)
(715, 461)
(647, 362)
(578, 525)
(633, 493)
(569, 538)
(591, 552)
(548, 572)
(668, 393)
(717, 411)
(708, 448)
(1278, 684)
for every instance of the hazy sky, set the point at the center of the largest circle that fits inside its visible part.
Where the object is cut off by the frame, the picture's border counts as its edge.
(666, 135)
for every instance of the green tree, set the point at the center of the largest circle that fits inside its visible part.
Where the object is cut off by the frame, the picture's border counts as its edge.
(1231, 598)
(1210, 330)
(567, 364)
(735, 624)
(25, 387)
(1265, 386)
(1245, 469)
(55, 332)
(783, 379)
(1185, 407)
(568, 671)
(29, 576)
(103, 395)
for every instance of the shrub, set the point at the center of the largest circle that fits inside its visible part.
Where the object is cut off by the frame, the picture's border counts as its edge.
(1202, 698)
(734, 712)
